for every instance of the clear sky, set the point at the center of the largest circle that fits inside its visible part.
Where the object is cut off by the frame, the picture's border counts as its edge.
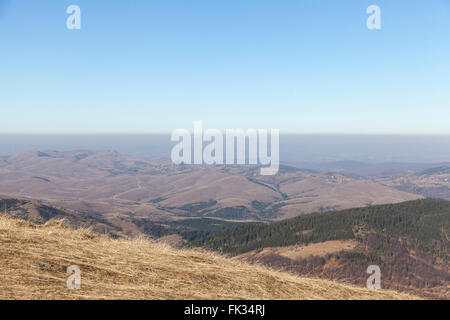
(303, 66)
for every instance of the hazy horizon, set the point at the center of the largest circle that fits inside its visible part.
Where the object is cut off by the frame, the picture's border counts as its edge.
(294, 149)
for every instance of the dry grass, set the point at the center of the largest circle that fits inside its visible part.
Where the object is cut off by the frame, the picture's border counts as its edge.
(33, 262)
(302, 251)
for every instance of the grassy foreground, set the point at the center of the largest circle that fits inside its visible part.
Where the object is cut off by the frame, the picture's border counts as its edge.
(34, 259)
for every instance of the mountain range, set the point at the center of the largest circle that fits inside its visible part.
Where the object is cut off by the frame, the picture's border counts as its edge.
(154, 192)
(327, 224)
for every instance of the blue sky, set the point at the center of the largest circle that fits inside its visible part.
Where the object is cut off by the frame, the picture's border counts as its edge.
(153, 66)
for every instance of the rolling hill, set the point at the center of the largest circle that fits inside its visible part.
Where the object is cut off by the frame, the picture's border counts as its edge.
(114, 186)
(34, 260)
(409, 241)
(432, 183)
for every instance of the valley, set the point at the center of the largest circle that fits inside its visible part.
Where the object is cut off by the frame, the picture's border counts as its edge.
(323, 224)
(126, 191)
(409, 241)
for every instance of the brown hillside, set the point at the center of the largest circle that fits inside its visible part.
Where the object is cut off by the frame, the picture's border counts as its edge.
(34, 259)
(113, 185)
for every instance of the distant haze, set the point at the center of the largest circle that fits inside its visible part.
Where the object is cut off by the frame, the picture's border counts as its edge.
(294, 149)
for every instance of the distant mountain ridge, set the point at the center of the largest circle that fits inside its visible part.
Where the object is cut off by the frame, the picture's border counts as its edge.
(113, 185)
(436, 170)
(365, 169)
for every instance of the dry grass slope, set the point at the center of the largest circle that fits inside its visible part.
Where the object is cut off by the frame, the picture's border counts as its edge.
(34, 258)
